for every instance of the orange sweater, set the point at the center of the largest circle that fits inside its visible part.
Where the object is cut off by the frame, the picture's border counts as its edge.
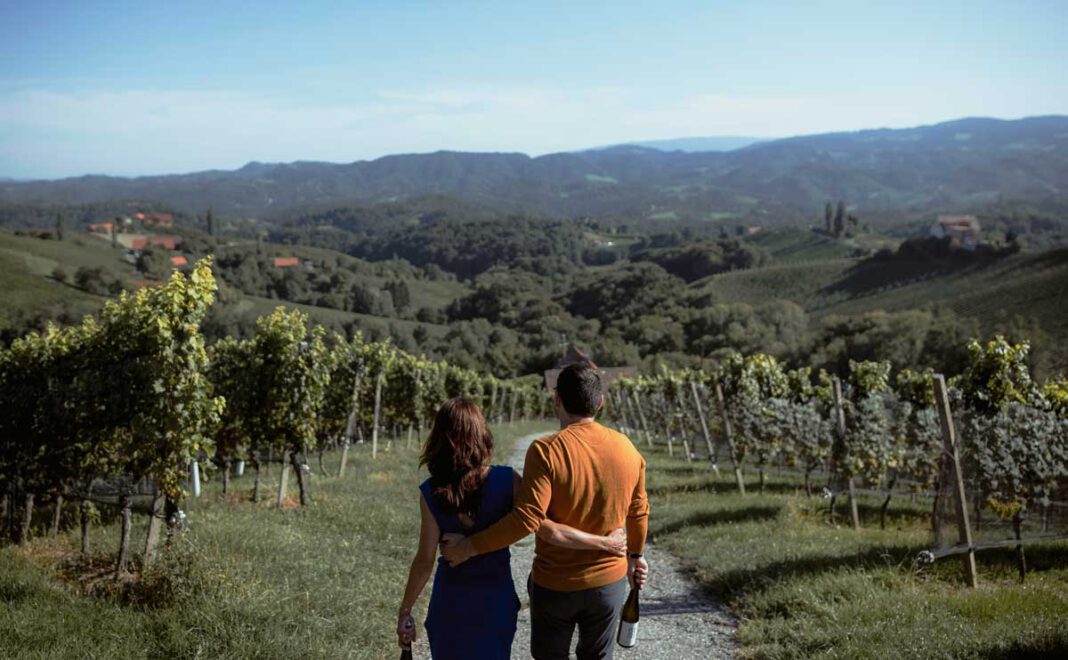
(586, 476)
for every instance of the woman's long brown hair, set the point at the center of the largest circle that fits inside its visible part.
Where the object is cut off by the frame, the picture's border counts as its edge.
(457, 452)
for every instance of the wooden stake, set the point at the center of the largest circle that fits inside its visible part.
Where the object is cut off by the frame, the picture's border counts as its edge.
(124, 540)
(155, 523)
(378, 411)
(951, 460)
(839, 414)
(641, 419)
(283, 481)
(57, 515)
(704, 422)
(728, 436)
(350, 425)
(27, 518)
(85, 508)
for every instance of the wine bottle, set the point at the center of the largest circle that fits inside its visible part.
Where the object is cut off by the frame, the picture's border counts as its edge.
(628, 621)
(406, 651)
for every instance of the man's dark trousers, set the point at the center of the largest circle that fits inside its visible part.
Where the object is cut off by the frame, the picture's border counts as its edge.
(554, 615)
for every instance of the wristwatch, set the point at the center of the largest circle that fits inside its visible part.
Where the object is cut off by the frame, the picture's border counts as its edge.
(635, 555)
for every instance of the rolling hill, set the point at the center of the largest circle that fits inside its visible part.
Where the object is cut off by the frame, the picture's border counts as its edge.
(31, 291)
(1029, 285)
(901, 173)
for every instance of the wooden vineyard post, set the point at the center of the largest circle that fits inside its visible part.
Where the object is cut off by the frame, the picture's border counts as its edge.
(57, 515)
(704, 422)
(641, 419)
(27, 518)
(195, 470)
(684, 431)
(124, 543)
(378, 411)
(491, 409)
(350, 426)
(625, 403)
(511, 408)
(951, 459)
(619, 413)
(283, 481)
(729, 438)
(155, 522)
(84, 510)
(839, 420)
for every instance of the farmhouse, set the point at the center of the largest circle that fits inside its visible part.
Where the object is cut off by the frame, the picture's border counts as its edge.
(963, 230)
(286, 262)
(179, 261)
(155, 219)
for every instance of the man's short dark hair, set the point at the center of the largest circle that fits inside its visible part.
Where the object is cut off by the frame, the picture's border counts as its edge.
(579, 387)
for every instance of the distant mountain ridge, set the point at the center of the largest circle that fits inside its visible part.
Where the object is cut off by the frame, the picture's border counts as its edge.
(916, 171)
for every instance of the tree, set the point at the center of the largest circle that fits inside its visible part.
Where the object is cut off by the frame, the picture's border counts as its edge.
(59, 225)
(839, 218)
(828, 218)
(402, 298)
(210, 220)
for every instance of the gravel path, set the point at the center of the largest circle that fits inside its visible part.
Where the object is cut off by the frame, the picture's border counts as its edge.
(678, 621)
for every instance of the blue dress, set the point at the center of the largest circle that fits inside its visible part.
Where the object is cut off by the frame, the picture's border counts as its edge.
(474, 607)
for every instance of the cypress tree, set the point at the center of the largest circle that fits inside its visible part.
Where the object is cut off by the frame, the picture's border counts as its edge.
(839, 218)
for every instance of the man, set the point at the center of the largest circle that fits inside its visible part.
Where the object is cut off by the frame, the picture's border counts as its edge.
(591, 478)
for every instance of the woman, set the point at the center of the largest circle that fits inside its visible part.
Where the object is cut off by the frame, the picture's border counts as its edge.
(473, 607)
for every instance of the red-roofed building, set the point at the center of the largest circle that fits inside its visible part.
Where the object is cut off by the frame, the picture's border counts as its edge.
(164, 241)
(961, 229)
(156, 219)
(104, 227)
(286, 262)
(179, 261)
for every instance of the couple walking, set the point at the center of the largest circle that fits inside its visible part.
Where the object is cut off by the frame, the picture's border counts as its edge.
(582, 492)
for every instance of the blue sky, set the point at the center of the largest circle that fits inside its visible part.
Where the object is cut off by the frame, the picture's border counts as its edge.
(154, 87)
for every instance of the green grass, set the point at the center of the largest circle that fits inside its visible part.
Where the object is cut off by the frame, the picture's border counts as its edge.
(317, 583)
(803, 588)
(26, 266)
